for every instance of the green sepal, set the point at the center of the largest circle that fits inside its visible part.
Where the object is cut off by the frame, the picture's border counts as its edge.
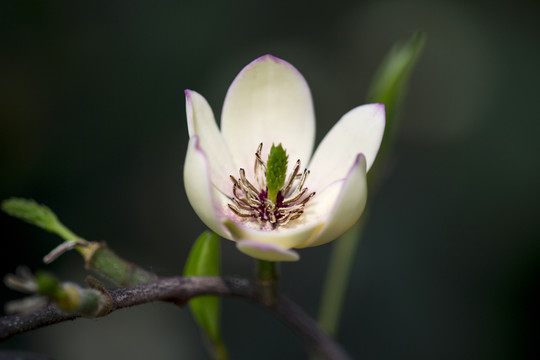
(276, 170)
(204, 260)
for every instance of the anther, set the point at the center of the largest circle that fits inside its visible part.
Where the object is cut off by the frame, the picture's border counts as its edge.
(246, 182)
(237, 212)
(254, 202)
(287, 188)
(296, 198)
(241, 205)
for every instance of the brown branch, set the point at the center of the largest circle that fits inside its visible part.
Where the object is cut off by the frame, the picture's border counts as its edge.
(180, 290)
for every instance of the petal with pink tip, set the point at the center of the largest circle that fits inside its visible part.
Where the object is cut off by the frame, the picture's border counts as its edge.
(268, 252)
(348, 207)
(268, 102)
(201, 123)
(282, 236)
(358, 131)
(202, 195)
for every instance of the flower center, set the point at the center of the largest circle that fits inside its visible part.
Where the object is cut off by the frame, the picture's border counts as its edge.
(269, 204)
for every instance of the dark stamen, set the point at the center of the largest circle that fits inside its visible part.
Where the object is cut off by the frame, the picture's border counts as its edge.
(252, 202)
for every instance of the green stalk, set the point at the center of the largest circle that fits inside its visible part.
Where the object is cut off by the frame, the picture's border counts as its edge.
(267, 281)
(124, 273)
(337, 278)
(388, 87)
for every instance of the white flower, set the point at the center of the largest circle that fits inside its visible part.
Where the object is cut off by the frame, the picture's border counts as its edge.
(270, 103)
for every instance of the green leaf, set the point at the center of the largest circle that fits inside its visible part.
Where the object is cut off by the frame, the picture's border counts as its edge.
(204, 260)
(276, 169)
(31, 212)
(36, 214)
(389, 87)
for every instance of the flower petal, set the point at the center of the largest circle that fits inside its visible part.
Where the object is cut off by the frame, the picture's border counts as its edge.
(201, 122)
(268, 252)
(268, 102)
(202, 195)
(348, 207)
(283, 237)
(359, 131)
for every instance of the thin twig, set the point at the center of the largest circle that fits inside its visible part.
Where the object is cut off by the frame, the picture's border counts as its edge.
(180, 290)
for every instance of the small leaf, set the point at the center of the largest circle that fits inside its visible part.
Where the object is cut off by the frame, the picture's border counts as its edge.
(39, 215)
(204, 260)
(31, 212)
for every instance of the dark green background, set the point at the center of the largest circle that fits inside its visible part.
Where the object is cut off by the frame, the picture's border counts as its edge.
(92, 123)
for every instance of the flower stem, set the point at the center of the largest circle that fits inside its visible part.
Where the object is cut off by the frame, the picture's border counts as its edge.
(267, 281)
(337, 278)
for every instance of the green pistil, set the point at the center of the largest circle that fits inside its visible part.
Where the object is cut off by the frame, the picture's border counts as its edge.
(276, 169)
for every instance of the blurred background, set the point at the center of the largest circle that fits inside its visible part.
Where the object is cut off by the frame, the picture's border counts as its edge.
(92, 123)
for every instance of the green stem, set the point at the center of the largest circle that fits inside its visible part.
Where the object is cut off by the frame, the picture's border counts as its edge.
(267, 281)
(217, 348)
(337, 278)
(387, 87)
(124, 273)
(62, 231)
